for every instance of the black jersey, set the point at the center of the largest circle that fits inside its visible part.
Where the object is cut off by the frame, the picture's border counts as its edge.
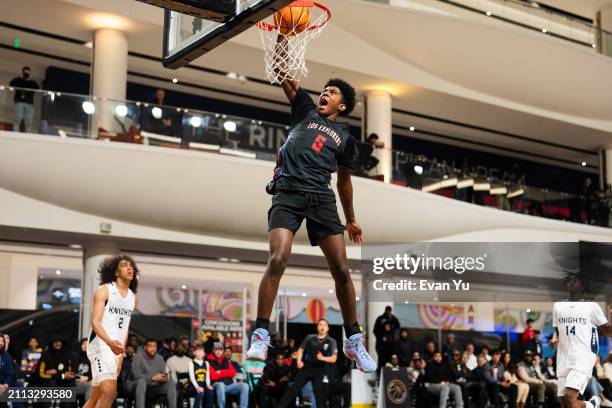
(312, 345)
(314, 147)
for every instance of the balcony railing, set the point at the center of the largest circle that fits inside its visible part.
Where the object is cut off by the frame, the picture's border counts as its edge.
(81, 116)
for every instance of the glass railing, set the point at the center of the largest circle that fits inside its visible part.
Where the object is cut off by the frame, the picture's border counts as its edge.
(529, 15)
(81, 116)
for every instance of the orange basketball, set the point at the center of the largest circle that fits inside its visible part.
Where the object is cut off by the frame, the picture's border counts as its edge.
(292, 20)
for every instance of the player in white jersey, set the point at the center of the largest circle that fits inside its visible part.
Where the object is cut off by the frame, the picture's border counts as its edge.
(576, 321)
(113, 304)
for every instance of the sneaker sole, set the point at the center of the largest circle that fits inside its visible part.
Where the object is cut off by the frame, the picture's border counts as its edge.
(253, 358)
(358, 366)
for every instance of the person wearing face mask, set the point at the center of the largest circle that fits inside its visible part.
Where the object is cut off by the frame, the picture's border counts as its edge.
(24, 100)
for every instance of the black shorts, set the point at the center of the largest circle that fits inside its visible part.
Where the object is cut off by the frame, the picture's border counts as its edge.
(289, 208)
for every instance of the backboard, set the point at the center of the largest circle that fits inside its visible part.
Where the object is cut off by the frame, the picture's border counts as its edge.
(194, 27)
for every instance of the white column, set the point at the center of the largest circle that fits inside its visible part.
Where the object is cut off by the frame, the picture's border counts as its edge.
(93, 254)
(377, 119)
(604, 21)
(109, 75)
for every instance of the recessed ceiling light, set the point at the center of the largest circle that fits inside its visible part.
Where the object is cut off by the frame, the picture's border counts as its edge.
(174, 80)
(489, 13)
(357, 298)
(88, 44)
(331, 291)
(75, 246)
(58, 272)
(594, 46)
(232, 75)
(412, 128)
(544, 30)
(583, 164)
(303, 294)
(183, 287)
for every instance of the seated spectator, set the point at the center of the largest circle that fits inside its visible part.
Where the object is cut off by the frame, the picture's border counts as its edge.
(54, 368)
(178, 364)
(604, 375)
(83, 371)
(6, 367)
(149, 377)
(496, 381)
(199, 376)
(437, 382)
(403, 348)
(393, 362)
(29, 360)
(184, 341)
(168, 348)
(451, 344)
(125, 373)
(290, 347)
(535, 344)
(222, 373)
(274, 382)
(463, 377)
(430, 350)
(484, 351)
(471, 361)
(522, 388)
(527, 372)
(550, 372)
(228, 354)
(478, 383)
(416, 369)
(210, 341)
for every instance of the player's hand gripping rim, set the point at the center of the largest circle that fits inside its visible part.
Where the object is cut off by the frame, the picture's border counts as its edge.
(354, 232)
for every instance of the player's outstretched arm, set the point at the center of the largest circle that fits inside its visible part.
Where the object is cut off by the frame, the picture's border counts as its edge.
(99, 301)
(345, 190)
(554, 339)
(290, 87)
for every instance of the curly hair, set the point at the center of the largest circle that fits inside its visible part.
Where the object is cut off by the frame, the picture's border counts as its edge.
(348, 94)
(109, 267)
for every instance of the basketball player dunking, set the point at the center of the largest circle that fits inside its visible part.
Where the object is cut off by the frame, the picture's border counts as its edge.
(316, 147)
(113, 304)
(576, 321)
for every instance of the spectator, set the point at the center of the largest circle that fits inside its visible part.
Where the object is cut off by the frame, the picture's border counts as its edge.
(479, 382)
(484, 351)
(471, 363)
(393, 362)
(550, 372)
(158, 119)
(149, 376)
(199, 376)
(6, 367)
(438, 375)
(222, 373)
(211, 339)
(403, 348)
(125, 373)
(527, 373)
(83, 371)
(599, 376)
(315, 353)
(382, 336)
(133, 340)
(496, 381)
(184, 341)
(365, 158)
(522, 388)
(178, 364)
(289, 348)
(430, 350)
(607, 375)
(24, 100)
(535, 344)
(465, 379)
(168, 348)
(527, 333)
(385, 345)
(275, 382)
(54, 367)
(451, 344)
(228, 354)
(30, 356)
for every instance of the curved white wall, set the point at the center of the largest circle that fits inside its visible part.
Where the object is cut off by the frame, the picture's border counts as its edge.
(185, 196)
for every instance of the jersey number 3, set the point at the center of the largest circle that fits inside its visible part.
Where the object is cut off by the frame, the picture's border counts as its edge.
(120, 323)
(318, 143)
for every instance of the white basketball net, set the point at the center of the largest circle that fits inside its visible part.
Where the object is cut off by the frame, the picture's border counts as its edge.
(284, 54)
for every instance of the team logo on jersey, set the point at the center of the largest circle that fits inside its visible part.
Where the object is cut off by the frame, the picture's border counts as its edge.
(119, 311)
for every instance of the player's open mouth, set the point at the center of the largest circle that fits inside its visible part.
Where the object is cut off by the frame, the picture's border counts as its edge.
(323, 102)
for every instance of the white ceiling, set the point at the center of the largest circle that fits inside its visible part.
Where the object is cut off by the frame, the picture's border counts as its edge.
(427, 50)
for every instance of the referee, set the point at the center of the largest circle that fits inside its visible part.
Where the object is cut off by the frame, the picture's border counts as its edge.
(316, 354)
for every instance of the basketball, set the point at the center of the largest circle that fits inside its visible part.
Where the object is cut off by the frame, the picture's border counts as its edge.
(292, 20)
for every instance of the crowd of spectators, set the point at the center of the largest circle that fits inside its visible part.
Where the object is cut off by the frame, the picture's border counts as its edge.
(470, 375)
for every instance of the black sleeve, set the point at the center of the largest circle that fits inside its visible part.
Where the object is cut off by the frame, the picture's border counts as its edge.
(301, 106)
(304, 344)
(13, 82)
(348, 154)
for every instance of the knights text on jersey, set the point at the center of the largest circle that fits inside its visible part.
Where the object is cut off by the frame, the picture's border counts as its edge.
(312, 150)
(117, 315)
(577, 324)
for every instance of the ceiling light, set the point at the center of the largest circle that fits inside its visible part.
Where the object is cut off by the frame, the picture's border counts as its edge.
(88, 44)
(105, 20)
(593, 45)
(448, 182)
(482, 185)
(412, 128)
(331, 291)
(583, 164)
(489, 13)
(75, 246)
(303, 294)
(515, 192)
(242, 78)
(232, 75)
(357, 298)
(234, 260)
(230, 126)
(88, 107)
(183, 287)
(544, 30)
(174, 80)
(157, 112)
(58, 272)
(223, 259)
(196, 121)
(121, 110)
(418, 169)
(497, 189)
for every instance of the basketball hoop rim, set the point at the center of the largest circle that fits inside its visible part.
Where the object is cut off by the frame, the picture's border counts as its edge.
(262, 25)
